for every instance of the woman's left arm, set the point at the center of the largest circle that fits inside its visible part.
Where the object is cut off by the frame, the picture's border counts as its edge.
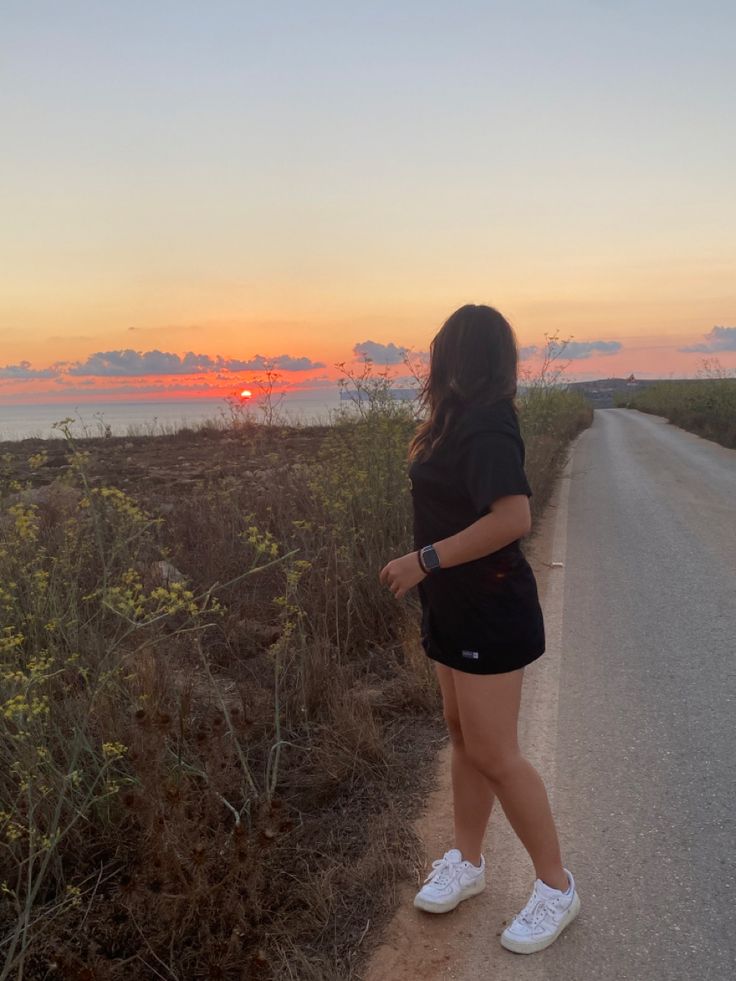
(510, 519)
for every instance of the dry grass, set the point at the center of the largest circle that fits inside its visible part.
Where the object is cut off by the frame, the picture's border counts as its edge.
(213, 776)
(705, 406)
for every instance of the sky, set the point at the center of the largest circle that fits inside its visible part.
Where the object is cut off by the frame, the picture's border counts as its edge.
(194, 191)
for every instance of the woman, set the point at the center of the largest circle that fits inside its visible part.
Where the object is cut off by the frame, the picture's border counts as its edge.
(481, 618)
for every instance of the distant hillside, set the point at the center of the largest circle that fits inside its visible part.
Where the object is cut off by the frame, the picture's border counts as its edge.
(600, 392)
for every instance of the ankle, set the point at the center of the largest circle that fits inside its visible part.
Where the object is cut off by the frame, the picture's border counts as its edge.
(474, 859)
(557, 881)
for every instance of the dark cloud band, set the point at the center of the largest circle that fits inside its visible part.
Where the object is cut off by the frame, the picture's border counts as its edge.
(572, 350)
(24, 370)
(383, 353)
(136, 364)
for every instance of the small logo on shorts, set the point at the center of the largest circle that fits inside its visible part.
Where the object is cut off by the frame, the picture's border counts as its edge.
(474, 654)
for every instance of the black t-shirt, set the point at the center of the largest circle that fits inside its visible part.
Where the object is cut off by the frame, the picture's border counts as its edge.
(483, 615)
(480, 460)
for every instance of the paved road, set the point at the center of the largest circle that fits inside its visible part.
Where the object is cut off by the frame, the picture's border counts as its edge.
(646, 736)
(630, 718)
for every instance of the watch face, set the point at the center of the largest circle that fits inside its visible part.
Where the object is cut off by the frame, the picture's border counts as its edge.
(430, 557)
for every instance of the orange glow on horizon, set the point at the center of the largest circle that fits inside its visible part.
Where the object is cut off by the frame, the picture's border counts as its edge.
(649, 353)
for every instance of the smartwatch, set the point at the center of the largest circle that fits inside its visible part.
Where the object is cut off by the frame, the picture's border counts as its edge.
(429, 560)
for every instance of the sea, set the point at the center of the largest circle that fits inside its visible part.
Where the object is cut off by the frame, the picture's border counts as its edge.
(150, 418)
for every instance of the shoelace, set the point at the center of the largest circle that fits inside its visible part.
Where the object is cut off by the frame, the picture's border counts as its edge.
(442, 872)
(536, 909)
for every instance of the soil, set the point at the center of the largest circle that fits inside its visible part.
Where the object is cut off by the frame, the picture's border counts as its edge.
(173, 462)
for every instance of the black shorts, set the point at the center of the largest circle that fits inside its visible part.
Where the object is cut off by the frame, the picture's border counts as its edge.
(487, 623)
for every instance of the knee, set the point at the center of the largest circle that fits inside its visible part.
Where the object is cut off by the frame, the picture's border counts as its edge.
(496, 766)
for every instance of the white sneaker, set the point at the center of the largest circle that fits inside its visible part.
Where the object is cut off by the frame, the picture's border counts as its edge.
(543, 918)
(451, 880)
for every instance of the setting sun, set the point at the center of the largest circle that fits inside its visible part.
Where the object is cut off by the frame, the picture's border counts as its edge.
(245, 394)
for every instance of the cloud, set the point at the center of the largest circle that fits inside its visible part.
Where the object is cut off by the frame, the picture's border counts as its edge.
(383, 353)
(718, 339)
(528, 352)
(131, 363)
(24, 370)
(128, 363)
(284, 362)
(578, 350)
(574, 350)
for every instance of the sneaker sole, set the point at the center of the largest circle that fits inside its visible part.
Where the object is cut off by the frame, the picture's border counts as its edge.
(429, 907)
(532, 946)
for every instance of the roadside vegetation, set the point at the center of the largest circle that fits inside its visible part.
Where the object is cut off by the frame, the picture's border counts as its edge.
(705, 406)
(215, 725)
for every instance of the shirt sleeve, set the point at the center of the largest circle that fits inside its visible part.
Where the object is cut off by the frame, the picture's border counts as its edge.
(492, 466)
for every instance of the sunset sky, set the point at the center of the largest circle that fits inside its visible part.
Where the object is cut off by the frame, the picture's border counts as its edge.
(191, 188)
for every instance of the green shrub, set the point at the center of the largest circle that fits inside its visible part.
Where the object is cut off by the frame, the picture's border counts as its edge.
(705, 406)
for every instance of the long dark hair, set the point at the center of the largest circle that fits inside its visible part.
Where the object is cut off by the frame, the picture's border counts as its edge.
(473, 360)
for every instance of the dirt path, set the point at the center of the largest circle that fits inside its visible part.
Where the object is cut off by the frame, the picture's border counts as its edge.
(463, 945)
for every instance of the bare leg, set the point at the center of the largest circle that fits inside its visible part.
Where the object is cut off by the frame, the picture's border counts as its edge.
(488, 707)
(472, 792)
